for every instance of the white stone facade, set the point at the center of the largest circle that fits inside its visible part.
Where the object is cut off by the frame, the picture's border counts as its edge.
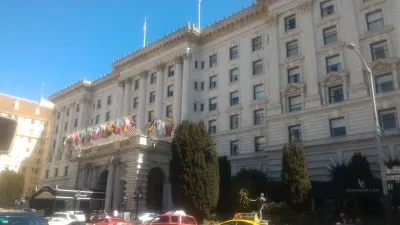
(242, 64)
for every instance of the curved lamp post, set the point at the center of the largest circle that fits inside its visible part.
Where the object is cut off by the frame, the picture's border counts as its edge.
(137, 195)
(378, 135)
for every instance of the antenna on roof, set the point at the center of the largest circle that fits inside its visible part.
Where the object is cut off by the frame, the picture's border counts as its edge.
(144, 31)
(199, 13)
(41, 94)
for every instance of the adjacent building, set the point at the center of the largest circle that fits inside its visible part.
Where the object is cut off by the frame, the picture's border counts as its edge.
(30, 142)
(273, 72)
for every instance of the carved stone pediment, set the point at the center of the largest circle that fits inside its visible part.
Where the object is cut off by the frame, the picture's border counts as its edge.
(295, 88)
(334, 78)
(383, 65)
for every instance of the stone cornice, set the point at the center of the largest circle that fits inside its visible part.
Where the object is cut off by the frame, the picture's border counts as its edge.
(82, 83)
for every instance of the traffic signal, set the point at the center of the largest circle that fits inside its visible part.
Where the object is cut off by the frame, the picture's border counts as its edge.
(8, 128)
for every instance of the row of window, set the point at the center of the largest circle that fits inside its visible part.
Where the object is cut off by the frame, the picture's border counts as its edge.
(56, 172)
(388, 120)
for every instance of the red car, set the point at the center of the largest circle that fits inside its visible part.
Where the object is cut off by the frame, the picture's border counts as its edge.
(171, 219)
(110, 221)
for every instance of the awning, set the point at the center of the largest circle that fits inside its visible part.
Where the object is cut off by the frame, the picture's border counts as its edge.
(47, 192)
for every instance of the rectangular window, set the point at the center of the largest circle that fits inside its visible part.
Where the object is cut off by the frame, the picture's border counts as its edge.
(152, 97)
(256, 43)
(258, 92)
(136, 102)
(78, 107)
(213, 60)
(234, 121)
(202, 64)
(196, 64)
(234, 98)
(153, 78)
(375, 20)
(94, 105)
(292, 48)
(212, 126)
(290, 22)
(336, 94)
(91, 121)
(233, 75)
(195, 106)
(380, 50)
(46, 174)
(97, 119)
(134, 118)
(338, 127)
(170, 91)
(65, 126)
(294, 75)
(202, 107)
(109, 100)
(388, 119)
(257, 67)
(333, 64)
(259, 143)
(56, 172)
(234, 52)
(151, 116)
(327, 8)
(384, 83)
(213, 82)
(258, 116)
(108, 116)
(295, 133)
(56, 132)
(137, 84)
(330, 35)
(58, 115)
(66, 171)
(234, 147)
(169, 111)
(212, 104)
(195, 85)
(295, 103)
(76, 123)
(67, 111)
(202, 85)
(98, 104)
(171, 71)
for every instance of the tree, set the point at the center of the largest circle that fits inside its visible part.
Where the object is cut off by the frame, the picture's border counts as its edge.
(224, 186)
(295, 175)
(11, 188)
(193, 169)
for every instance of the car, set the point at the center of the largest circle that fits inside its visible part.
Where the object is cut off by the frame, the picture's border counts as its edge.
(62, 218)
(245, 219)
(110, 221)
(96, 215)
(143, 217)
(19, 217)
(79, 215)
(172, 219)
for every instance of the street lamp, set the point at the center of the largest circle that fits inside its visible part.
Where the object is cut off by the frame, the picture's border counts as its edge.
(77, 198)
(137, 195)
(378, 134)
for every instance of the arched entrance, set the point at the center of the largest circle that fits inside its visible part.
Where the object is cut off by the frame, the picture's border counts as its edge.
(155, 181)
(102, 181)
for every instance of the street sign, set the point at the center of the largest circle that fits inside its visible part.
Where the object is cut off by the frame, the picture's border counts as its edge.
(394, 170)
(393, 177)
(379, 131)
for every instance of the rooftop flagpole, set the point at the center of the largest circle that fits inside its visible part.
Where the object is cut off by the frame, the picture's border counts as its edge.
(199, 1)
(144, 31)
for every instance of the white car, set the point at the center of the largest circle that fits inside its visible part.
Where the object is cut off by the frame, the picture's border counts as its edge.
(143, 217)
(81, 217)
(59, 218)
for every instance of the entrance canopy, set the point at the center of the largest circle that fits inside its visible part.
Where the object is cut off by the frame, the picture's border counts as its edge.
(47, 192)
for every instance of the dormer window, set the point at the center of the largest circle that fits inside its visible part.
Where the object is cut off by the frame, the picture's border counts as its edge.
(16, 105)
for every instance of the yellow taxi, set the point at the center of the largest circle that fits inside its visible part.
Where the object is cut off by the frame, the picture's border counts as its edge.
(245, 219)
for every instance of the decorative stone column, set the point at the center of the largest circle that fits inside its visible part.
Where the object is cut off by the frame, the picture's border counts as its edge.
(109, 189)
(177, 107)
(127, 96)
(160, 91)
(186, 86)
(117, 184)
(121, 87)
(142, 100)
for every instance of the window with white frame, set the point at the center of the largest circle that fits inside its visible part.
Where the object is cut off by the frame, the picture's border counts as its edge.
(294, 75)
(233, 75)
(375, 20)
(65, 126)
(97, 119)
(135, 102)
(234, 146)
(258, 92)
(153, 78)
(388, 119)
(257, 67)
(137, 84)
(212, 126)
(151, 116)
(78, 107)
(256, 43)
(213, 60)
(171, 71)
(259, 143)
(295, 103)
(98, 104)
(290, 22)
(384, 83)
(168, 111)
(330, 35)
(195, 106)
(76, 123)
(108, 116)
(234, 121)
(295, 133)
(336, 94)
(234, 52)
(327, 8)
(380, 50)
(213, 82)
(195, 85)
(333, 64)
(292, 48)
(170, 91)
(152, 97)
(234, 98)
(212, 104)
(109, 100)
(258, 116)
(338, 127)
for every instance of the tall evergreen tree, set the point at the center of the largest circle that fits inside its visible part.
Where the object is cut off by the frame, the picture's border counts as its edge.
(224, 185)
(295, 175)
(194, 173)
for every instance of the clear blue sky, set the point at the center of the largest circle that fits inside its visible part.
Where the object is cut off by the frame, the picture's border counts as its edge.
(61, 41)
